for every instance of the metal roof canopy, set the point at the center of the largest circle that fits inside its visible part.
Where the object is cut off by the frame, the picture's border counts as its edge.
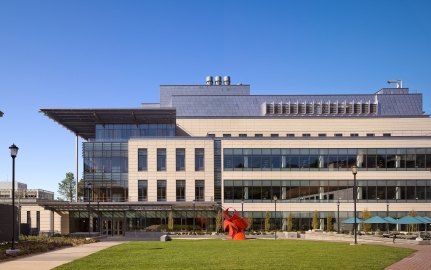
(83, 122)
(127, 206)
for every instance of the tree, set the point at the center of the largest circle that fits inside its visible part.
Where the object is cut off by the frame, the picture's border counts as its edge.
(67, 187)
(315, 223)
(412, 227)
(289, 222)
(170, 221)
(250, 222)
(329, 224)
(267, 221)
(366, 215)
(81, 189)
(219, 220)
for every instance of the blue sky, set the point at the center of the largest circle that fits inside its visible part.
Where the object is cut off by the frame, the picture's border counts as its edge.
(100, 54)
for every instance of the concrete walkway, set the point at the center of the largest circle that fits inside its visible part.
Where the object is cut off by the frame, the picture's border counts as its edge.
(52, 259)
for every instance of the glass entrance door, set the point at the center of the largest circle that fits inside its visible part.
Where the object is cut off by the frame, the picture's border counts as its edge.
(113, 227)
(118, 227)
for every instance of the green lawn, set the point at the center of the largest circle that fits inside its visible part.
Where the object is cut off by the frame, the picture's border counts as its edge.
(250, 254)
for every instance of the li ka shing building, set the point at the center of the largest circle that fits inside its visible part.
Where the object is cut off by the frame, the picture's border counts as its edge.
(213, 146)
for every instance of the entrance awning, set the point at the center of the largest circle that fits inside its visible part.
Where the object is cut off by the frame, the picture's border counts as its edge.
(127, 206)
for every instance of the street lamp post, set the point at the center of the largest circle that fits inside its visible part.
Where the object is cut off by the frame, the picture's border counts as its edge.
(355, 227)
(89, 186)
(194, 215)
(387, 215)
(338, 216)
(275, 221)
(242, 208)
(13, 152)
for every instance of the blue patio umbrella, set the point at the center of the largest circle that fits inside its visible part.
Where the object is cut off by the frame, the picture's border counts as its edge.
(352, 220)
(391, 220)
(424, 220)
(376, 220)
(427, 218)
(409, 220)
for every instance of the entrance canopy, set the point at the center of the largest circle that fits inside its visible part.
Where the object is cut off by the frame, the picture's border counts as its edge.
(127, 206)
(83, 122)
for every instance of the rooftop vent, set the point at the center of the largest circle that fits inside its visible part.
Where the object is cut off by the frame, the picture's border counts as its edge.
(399, 83)
(217, 80)
(209, 80)
(226, 80)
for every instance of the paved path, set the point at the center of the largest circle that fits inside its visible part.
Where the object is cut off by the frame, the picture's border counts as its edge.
(420, 260)
(55, 258)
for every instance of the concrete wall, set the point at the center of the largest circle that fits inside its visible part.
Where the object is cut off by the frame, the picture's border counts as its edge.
(314, 126)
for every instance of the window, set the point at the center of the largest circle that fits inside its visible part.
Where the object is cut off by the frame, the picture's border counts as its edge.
(181, 190)
(29, 219)
(142, 190)
(243, 135)
(290, 135)
(386, 134)
(38, 220)
(161, 190)
(322, 134)
(354, 134)
(181, 159)
(338, 135)
(199, 159)
(199, 190)
(211, 135)
(258, 135)
(161, 159)
(370, 134)
(142, 159)
(306, 135)
(227, 135)
(274, 135)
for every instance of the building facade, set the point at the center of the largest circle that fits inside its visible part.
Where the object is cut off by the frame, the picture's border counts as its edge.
(215, 146)
(32, 216)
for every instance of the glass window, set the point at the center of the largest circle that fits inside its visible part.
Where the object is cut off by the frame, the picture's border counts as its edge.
(180, 159)
(38, 220)
(200, 190)
(29, 219)
(161, 159)
(371, 158)
(161, 190)
(381, 158)
(410, 159)
(142, 190)
(199, 159)
(181, 190)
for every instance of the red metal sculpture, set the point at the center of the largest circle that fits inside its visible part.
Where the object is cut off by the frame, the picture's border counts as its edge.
(236, 225)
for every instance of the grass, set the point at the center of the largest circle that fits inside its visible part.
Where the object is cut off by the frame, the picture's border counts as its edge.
(251, 254)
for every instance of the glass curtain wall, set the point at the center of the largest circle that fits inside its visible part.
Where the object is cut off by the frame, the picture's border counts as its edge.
(106, 168)
(259, 191)
(275, 159)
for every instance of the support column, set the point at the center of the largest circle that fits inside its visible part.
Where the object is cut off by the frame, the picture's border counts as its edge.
(52, 223)
(77, 171)
(321, 193)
